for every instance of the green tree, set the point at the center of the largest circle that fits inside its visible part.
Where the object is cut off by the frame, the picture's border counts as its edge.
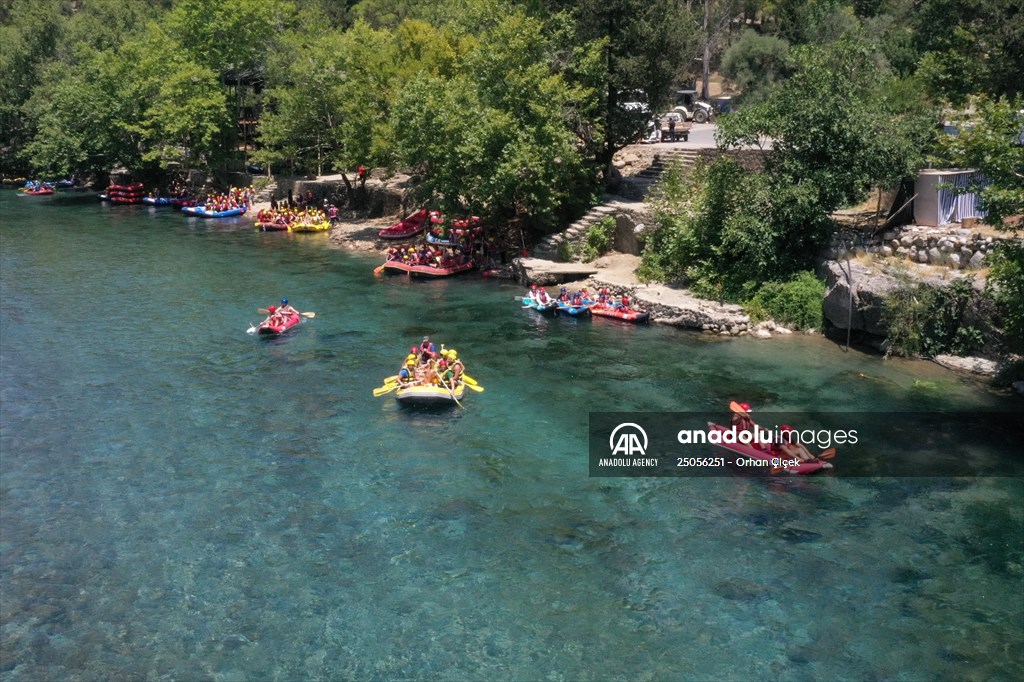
(28, 43)
(971, 47)
(82, 117)
(756, 63)
(990, 140)
(646, 44)
(230, 37)
(834, 134)
(497, 139)
(185, 113)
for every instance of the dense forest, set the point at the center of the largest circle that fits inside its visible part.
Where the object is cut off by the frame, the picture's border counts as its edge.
(513, 109)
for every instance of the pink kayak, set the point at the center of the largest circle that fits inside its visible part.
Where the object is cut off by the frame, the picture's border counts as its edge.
(808, 467)
(267, 329)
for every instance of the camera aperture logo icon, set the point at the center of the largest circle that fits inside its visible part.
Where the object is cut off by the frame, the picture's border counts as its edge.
(631, 441)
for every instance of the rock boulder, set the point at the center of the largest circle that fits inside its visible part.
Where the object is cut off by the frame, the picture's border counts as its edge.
(869, 289)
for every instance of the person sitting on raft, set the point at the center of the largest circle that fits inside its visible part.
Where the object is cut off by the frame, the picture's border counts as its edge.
(741, 421)
(602, 298)
(427, 347)
(286, 309)
(274, 318)
(791, 447)
(563, 296)
(456, 365)
(426, 371)
(406, 375)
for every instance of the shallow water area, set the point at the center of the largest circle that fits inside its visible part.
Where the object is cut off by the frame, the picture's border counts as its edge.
(183, 500)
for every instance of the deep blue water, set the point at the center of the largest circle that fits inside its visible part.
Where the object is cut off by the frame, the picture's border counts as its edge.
(181, 500)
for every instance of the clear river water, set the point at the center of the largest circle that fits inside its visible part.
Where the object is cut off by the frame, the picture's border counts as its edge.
(182, 500)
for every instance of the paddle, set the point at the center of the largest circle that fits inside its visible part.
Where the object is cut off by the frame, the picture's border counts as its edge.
(474, 387)
(379, 269)
(828, 454)
(735, 407)
(469, 380)
(452, 394)
(251, 329)
(310, 315)
(378, 392)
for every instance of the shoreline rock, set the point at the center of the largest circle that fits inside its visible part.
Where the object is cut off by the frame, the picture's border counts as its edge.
(974, 365)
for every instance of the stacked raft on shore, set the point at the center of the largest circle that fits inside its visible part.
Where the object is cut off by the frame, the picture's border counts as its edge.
(407, 227)
(124, 194)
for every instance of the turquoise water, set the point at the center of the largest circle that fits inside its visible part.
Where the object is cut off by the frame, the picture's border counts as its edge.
(181, 500)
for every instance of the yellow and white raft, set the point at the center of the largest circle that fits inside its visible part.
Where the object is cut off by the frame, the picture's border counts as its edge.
(429, 395)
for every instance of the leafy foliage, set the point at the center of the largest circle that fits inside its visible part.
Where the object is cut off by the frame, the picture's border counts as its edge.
(971, 46)
(926, 320)
(990, 141)
(493, 139)
(599, 239)
(756, 63)
(1006, 287)
(797, 302)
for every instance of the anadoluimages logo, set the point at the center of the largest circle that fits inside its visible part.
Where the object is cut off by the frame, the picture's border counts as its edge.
(629, 441)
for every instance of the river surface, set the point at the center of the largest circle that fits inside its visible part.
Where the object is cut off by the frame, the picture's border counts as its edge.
(182, 500)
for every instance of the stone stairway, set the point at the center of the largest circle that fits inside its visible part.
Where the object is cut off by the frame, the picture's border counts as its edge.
(637, 186)
(634, 188)
(264, 194)
(548, 248)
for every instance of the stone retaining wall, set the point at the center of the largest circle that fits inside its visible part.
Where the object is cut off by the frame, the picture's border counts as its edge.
(954, 247)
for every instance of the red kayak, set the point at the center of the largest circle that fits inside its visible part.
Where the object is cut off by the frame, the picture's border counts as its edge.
(412, 225)
(620, 313)
(808, 467)
(266, 329)
(38, 192)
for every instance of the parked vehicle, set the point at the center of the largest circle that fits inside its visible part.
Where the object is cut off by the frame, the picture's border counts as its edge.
(690, 108)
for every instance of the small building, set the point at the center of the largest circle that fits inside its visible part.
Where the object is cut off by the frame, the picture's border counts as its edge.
(941, 198)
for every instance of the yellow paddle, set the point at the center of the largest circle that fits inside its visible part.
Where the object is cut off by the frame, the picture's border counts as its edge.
(473, 387)
(469, 380)
(378, 392)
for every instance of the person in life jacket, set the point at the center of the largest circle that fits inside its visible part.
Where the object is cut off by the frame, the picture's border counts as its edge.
(577, 299)
(563, 296)
(602, 297)
(274, 318)
(790, 446)
(741, 421)
(427, 347)
(532, 293)
(286, 309)
(406, 375)
(457, 366)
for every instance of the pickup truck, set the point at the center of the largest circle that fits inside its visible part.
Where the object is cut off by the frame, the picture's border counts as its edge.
(661, 132)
